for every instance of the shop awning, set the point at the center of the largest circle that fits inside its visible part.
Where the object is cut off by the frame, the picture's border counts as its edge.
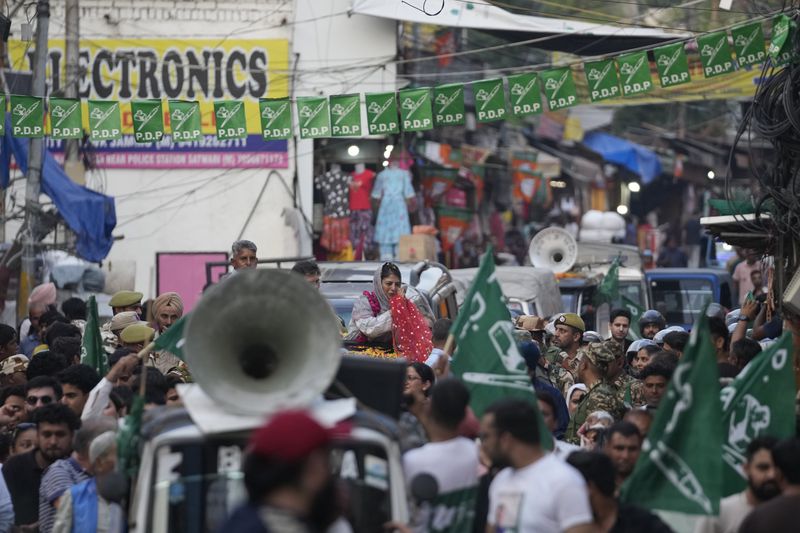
(634, 157)
(576, 37)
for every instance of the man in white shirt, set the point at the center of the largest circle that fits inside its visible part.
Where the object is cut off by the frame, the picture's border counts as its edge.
(452, 460)
(440, 332)
(536, 493)
(762, 485)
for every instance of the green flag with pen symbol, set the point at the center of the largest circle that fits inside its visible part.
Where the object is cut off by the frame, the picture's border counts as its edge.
(634, 73)
(382, 113)
(184, 121)
(313, 116)
(559, 88)
(486, 357)
(27, 116)
(680, 466)
(748, 42)
(105, 123)
(345, 115)
(148, 120)
(276, 118)
(525, 92)
(448, 104)
(672, 65)
(65, 118)
(490, 100)
(416, 112)
(715, 54)
(230, 119)
(602, 79)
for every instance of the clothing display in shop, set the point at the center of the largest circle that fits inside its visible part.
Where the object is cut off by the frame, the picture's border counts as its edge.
(362, 233)
(393, 188)
(335, 187)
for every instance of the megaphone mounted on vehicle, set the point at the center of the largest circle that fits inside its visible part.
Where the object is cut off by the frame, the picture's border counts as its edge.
(261, 341)
(553, 248)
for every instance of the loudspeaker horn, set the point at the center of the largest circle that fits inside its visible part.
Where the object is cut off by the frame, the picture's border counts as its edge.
(263, 340)
(553, 248)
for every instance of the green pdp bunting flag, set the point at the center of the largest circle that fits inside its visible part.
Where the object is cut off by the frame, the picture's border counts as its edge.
(27, 116)
(559, 88)
(448, 104)
(525, 94)
(490, 100)
(748, 42)
(715, 54)
(276, 118)
(230, 119)
(416, 113)
(781, 29)
(65, 118)
(148, 120)
(634, 73)
(345, 115)
(184, 121)
(672, 65)
(487, 359)
(105, 123)
(382, 113)
(760, 401)
(313, 116)
(680, 466)
(601, 76)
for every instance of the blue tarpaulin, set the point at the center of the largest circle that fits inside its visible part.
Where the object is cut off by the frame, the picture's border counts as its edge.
(634, 157)
(91, 215)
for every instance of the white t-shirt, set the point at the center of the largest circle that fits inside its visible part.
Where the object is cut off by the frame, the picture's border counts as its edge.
(732, 512)
(548, 496)
(454, 465)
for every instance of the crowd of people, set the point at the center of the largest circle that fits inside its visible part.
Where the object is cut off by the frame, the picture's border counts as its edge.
(59, 421)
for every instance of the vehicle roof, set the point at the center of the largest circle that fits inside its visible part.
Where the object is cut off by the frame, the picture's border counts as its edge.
(602, 254)
(577, 282)
(685, 272)
(522, 282)
(344, 290)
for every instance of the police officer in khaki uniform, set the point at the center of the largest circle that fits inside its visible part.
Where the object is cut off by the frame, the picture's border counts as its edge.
(120, 302)
(601, 396)
(569, 329)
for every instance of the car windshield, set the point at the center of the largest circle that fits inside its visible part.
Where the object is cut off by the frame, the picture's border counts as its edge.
(681, 300)
(343, 307)
(198, 485)
(631, 290)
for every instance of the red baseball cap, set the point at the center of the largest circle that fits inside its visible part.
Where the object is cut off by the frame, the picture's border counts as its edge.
(290, 436)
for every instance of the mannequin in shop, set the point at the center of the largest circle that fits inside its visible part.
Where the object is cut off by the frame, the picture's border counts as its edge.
(335, 186)
(362, 232)
(394, 192)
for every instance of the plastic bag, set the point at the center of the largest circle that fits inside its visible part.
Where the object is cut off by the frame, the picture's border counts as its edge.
(410, 331)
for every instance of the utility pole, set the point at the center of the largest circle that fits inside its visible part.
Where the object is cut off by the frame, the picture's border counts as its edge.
(27, 276)
(73, 165)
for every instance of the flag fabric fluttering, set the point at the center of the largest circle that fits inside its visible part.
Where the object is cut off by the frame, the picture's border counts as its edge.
(760, 401)
(172, 339)
(680, 466)
(486, 357)
(92, 352)
(636, 312)
(608, 290)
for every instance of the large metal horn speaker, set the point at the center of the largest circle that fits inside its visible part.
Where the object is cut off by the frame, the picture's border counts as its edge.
(553, 248)
(263, 340)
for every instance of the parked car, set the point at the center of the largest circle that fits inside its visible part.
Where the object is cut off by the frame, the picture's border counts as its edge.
(342, 284)
(529, 290)
(680, 294)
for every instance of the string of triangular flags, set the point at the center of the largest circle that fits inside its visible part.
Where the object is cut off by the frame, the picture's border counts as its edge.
(415, 109)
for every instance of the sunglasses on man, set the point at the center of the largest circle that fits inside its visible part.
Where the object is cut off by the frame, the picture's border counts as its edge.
(33, 400)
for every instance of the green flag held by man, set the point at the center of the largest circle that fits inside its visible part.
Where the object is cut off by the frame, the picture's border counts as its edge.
(92, 353)
(680, 467)
(760, 401)
(486, 358)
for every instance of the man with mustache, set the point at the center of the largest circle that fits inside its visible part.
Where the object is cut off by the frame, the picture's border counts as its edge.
(762, 485)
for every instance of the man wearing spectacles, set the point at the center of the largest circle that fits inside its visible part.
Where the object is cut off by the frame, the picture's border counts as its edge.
(56, 424)
(41, 391)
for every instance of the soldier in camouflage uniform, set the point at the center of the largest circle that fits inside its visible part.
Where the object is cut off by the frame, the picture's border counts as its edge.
(628, 389)
(601, 396)
(569, 329)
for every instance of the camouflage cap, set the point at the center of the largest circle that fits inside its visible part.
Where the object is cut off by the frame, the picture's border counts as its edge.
(125, 298)
(599, 354)
(137, 333)
(124, 319)
(571, 319)
(531, 322)
(522, 335)
(15, 363)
